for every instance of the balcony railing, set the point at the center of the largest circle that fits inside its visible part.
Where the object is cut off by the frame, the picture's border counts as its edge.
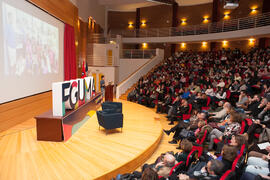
(222, 26)
(138, 53)
(101, 60)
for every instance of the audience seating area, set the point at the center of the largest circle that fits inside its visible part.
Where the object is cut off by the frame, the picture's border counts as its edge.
(218, 104)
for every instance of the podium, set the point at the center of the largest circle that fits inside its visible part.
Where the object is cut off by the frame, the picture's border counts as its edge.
(109, 93)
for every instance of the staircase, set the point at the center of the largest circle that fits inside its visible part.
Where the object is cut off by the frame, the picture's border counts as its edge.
(124, 96)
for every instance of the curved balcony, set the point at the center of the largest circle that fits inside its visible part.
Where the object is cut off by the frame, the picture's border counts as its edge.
(258, 25)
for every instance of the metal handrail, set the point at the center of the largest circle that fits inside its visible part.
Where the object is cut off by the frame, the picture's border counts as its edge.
(138, 53)
(259, 20)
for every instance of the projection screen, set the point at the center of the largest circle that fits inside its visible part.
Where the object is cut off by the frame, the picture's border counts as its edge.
(31, 50)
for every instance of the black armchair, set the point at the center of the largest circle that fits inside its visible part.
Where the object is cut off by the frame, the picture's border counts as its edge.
(109, 120)
(112, 106)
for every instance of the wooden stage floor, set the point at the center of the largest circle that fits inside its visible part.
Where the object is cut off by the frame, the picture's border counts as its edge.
(89, 154)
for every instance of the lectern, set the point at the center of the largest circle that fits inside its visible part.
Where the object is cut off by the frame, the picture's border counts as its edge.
(109, 93)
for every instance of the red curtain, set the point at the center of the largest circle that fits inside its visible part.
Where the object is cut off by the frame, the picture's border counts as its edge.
(69, 53)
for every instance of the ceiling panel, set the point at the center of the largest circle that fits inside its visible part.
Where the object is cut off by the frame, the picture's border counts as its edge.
(131, 5)
(192, 2)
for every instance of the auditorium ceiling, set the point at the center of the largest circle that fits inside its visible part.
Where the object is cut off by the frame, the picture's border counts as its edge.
(131, 5)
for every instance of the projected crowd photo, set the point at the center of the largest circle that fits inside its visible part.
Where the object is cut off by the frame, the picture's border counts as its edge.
(31, 46)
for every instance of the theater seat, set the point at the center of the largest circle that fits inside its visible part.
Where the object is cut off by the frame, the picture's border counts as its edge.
(228, 175)
(207, 104)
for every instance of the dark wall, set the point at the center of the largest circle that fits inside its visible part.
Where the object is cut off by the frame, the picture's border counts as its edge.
(120, 20)
(157, 16)
(195, 14)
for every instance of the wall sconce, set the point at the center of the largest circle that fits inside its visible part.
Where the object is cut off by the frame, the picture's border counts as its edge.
(78, 23)
(227, 15)
(112, 42)
(144, 45)
(205, 19)
(254, 9)
(204, 44)
(93, 24)
(130, 25)
(251, 42)
(224, 43)
(76, 43)
(183, 45)
(143, 23)
(183, 21)
(90, 19)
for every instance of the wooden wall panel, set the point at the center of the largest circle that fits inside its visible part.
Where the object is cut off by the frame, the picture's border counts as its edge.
(18, 111)
(82, 43)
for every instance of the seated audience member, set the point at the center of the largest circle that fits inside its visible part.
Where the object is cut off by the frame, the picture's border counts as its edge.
(258, 166)
(185, 94)
(202, 127)
(177, 128)
(180, 110)
(217, 108)
(162, 106)
(194, 89)
(221, 83)
(194, 119)
(210, 91)
(259, 125)
(220, 95)
(266, 91)
(250, 176)
(164, 167)
(262, 155)
(264, 115)
(213, 170)
(199, 101)
(222, 113)
(173, 106)
(243, 100)
(186, 147)
(243, 86)
(150, 100)
(132, 95)
(232, 128)
(236, 141)
(228, 155)
(253, 107)
(149, 174)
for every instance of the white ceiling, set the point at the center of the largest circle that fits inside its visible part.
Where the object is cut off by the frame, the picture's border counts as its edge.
(131, 5)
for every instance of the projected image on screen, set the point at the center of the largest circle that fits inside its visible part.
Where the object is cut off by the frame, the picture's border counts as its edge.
(31, 46)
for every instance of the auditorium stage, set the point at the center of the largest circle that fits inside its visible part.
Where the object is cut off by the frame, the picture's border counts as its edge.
(89, 154)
